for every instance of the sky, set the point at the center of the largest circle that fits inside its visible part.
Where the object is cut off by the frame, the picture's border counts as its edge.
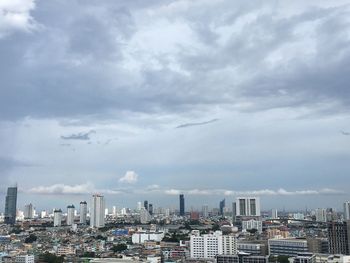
(144, 100)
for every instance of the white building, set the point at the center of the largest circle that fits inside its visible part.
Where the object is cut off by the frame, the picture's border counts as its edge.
(205, 211)
(287, 246)
(141, 236)
(70, 215)
(97, 213)
(28, 211)
(248, 206)
(145, 217)
(211, 245)
(83, 212)
(321, 214)
(57, 217)
(24, 259)
(274, 214)
(347, 210)
(252, 224)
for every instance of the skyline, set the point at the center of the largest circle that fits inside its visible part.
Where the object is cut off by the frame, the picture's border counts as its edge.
(139, 101)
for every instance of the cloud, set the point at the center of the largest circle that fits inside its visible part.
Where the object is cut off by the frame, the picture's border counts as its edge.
(63, 189)
(79, 136)
(130, 177)
(195, 123)
(345, 133)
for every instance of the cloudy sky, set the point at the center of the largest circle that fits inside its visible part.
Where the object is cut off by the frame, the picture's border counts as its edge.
(148, 99)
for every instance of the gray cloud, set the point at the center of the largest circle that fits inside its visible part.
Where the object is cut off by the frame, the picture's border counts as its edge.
(79, 136)
(196, 123)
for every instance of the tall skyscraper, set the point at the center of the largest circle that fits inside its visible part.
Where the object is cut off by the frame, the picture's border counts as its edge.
(28, 211)
(145, 204)
(97, 218)
(221, 207)
(339, 237)
(11, 205)
(347, 210)
(83, 212)
(274, 213)
(150, 209)
(57, 217)
(182, 205)
(205, 211)
(70, 215)
(139, 205)
(321, 214)
(248, 206)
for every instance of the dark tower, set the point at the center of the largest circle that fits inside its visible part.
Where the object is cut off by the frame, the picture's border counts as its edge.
(145, 204)
(222, 206)
(11, 205)
(182, 205)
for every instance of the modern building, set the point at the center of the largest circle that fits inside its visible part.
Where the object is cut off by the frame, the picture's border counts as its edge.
(182, 205)
(339, 237)
(145, 217)
(145, 204)
(274, 214)
(57, 217)
(287, 246)
(11, 206)
(305, 257)
(210, 245)
(70, 215)
(28, 211)
(254, 247)
(205, 211)
(318, 245)
(24, 259)
(83, 212)
(142, 236)
(150, 209)
(241, 258)
(321, 215)
(222, 207)
(97, 212)
(347, 210)
(248, 207)
(252, 224)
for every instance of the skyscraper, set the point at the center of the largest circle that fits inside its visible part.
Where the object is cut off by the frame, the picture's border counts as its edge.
(339, 237)
(28, 211)
(222, 206)
(57, 217)
(83, 212)
(145, 204)
(97, 213)
(11, 205)
(150, 209)
(248, 206)
(182, 205)
(347, 210)
(70, 215)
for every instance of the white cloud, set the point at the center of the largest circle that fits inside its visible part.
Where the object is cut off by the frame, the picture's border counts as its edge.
(130, 177)
(15, 15)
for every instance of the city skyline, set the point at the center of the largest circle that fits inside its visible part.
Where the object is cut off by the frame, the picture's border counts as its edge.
(170, 98)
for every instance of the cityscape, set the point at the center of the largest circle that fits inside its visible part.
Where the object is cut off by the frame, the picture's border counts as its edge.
(174, 131)
(237, 231)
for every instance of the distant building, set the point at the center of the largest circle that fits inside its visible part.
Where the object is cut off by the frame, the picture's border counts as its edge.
(347, 210)
(222, 207)
(57, 217)
(150, 209)
(145, 204)
(305, 257)
(145, 217)
(287, 246)
(241, 258)
(321, 215)
(70, 215)
(318, 245)
(248, 207)
(11, 206)
(24, 259)
(182, 205)
(210, 245)
(252, 224)
(28, 211)
(339, 237)
(142, 236)
(205, 211)
(274, 214)
(97, 212)
(83, 212)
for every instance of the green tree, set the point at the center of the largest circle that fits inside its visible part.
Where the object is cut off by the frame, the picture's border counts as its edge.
(32, 238)
(119, 248)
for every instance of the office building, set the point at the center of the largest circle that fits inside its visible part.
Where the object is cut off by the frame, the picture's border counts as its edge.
(83, 212)
(139, 205)
(210, 245)
(347, 210)
(141, 236)
(97, 212)
(305, 257)
(57, 217)
(321, 215)
(252, 224)
(70, 215)
(205, 211)
(248, 207)
(150, 209)
(145, 217)
(182, 205)
(274, 214)
(255, 247)
(339, 237)
(28, 211)
(222, 207)
(11, 206)
(241, 258)
(24, 259)
(234, 212)
(287, 246)
(145, 204)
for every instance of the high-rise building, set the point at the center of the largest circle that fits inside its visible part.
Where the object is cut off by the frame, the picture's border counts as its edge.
(182, 205)
(274, 214)
(145, 204)
(70, 215)
(83, 212)
(205, 211)
(11, 205)
(28, 211)
(339, 237)
(97, 213)
(222, 207)
(234, 212)
(139, 205)
(321, 215)
(57, 217)
(145, 217)
(248, 206)
(150, 209)
(347, 210)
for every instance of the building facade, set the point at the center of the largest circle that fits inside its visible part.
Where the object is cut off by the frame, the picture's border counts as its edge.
(97, 212)
(11, 205)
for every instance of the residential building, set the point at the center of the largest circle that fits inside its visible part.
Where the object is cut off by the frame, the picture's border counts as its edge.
(70, 215)
(83, 212)
(97, 212)
(57, 217)
(28, 211)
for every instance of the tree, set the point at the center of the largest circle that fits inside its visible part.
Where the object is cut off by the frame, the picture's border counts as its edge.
(50, 258)
(119, 248)
(32, 238)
